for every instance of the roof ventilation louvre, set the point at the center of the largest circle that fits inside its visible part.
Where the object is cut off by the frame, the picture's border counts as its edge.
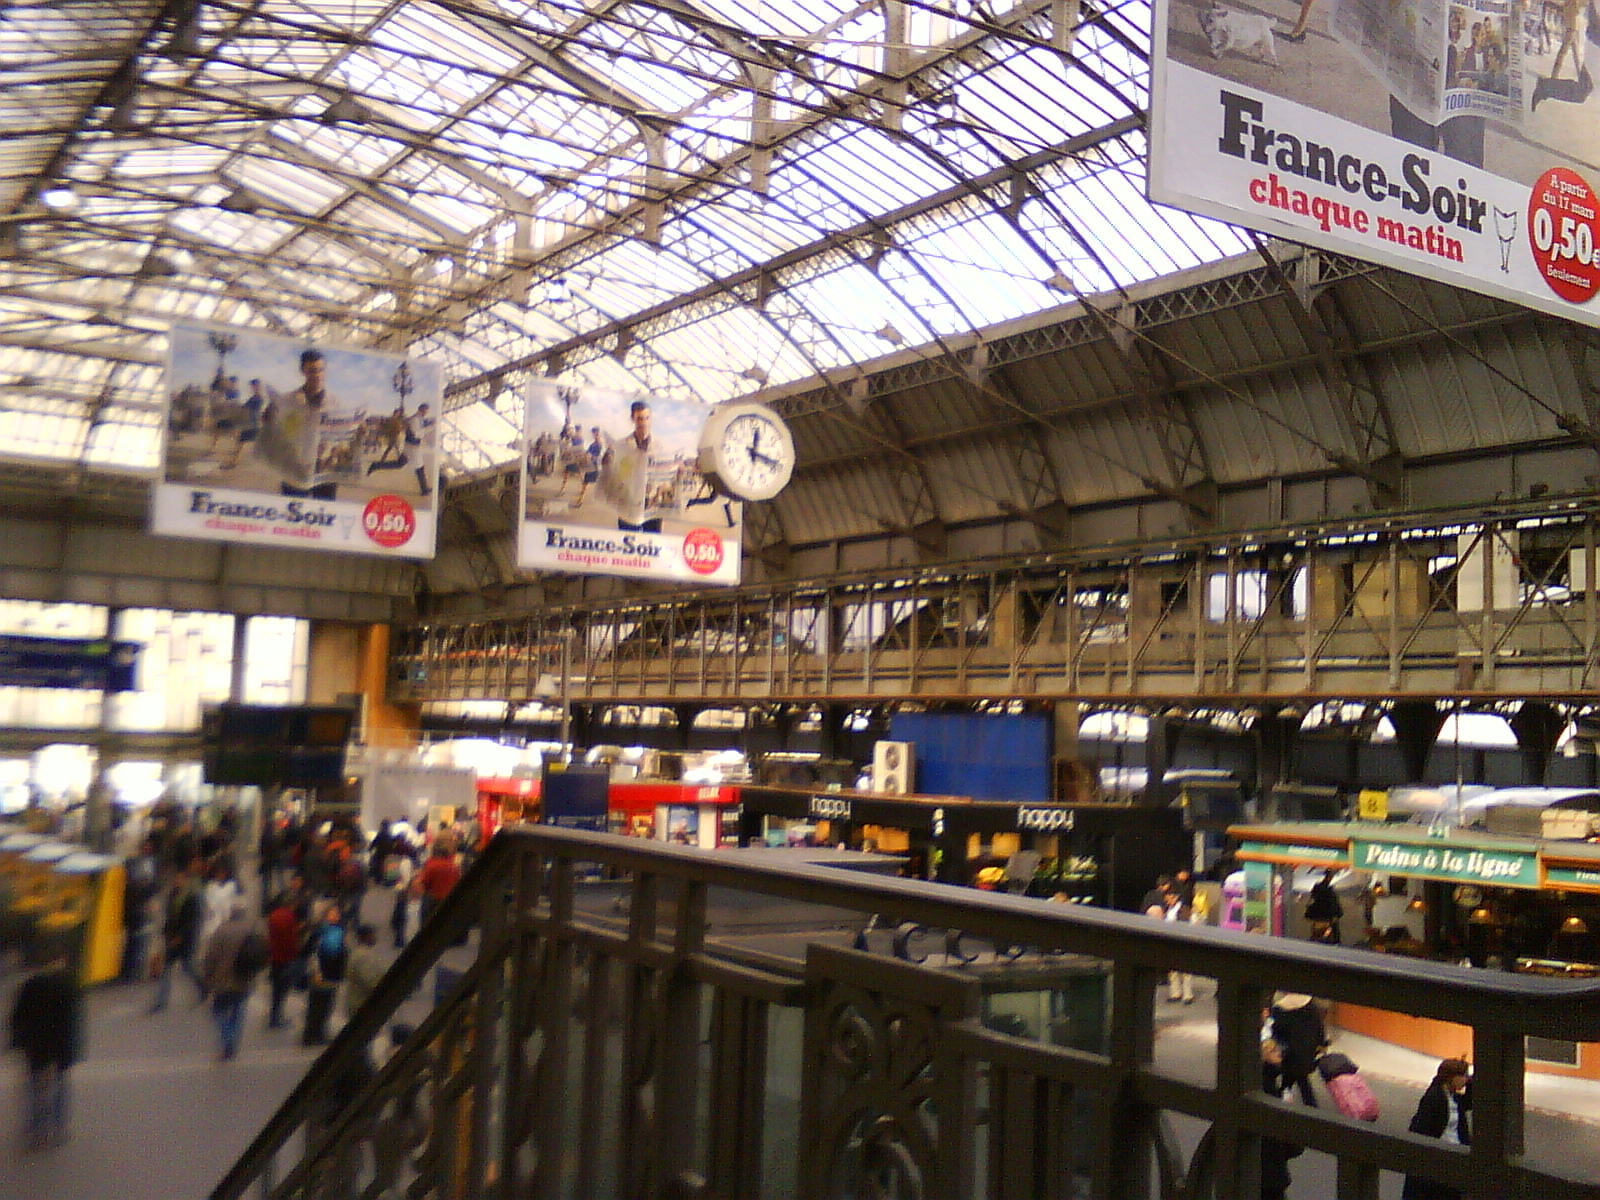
(346, 108)
(240, 200)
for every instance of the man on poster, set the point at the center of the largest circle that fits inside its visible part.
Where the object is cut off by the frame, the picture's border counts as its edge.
(626, 466)
(298, 416)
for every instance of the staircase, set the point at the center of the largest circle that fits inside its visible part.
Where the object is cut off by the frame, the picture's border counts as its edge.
(633, 1019)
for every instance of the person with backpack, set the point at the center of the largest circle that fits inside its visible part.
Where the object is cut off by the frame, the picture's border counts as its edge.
(235, 955)
(325, 968)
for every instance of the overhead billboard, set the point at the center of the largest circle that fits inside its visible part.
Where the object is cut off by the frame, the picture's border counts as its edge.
(1453, 140)
(271, 441)
(611, 485)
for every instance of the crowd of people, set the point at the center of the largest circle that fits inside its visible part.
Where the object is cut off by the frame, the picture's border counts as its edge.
(186, 912)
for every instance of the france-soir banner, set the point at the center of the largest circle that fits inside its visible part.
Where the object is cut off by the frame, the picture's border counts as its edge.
(276, 442)
(611, 486)
(1453, 140)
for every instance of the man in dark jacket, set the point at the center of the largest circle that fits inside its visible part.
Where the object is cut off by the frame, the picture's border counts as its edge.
(1324, 910)
(180, 930)
(47, 1026)
(1445, 1111)
(141, 882)
(1297, 1027)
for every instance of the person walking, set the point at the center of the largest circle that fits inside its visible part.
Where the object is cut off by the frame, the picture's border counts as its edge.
(1180, 984)
(1275, 1154)
(1324, 911)
(364, 968)
(47, 1026)
(180, 929)
(227, 970)
(141, 883)
(325, 970)
(217, 898)
(1445, 1111)
(397, 873)
(439, 875)
(284, 964)
(1297, 1027)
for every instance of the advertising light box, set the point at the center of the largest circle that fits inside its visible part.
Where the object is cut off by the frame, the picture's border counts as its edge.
(611, 486)
(274, 442)
(1435, 137)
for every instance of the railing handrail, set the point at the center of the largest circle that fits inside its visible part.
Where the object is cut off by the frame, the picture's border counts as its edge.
(348, 1048)
(1492, 1002)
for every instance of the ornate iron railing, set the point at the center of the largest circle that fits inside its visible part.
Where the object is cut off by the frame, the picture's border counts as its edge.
(629, 1021)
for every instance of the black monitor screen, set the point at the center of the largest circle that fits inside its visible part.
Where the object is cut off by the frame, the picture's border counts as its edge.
(323, 726)
(314, 766)
(252, 722)
(244, 766)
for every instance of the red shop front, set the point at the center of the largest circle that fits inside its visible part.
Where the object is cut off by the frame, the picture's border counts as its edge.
(705, 815)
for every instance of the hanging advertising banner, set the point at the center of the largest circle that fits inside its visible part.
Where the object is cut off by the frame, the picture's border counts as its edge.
(611, 486)
(1452, 140)
(275, 442)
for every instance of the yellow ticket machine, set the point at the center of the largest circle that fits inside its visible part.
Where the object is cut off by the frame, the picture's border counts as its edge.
(87, 915)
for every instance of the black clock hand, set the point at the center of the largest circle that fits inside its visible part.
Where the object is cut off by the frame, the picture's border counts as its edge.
(759, 457)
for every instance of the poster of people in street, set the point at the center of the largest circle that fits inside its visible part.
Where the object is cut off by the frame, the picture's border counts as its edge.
(279, 442)
(611, 486)
(1451, 139)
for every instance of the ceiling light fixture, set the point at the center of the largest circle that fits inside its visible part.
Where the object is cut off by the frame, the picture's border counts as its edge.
(1061, 282)
(753, 374)
(890, 334)
(1574, 924)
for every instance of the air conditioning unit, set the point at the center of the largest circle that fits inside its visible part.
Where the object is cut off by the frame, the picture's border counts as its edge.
(894, 767)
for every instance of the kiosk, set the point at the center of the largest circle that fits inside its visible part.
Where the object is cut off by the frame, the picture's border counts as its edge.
(1524, 905)
(1105, 854)
(687, 813)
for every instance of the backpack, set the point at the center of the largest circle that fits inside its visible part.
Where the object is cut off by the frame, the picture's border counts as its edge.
(1352, 1096)
(1333, 1064)
(351, 877)
(251, 956)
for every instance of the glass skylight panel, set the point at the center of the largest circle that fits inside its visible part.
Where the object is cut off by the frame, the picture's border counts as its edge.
(347, 16)
(42, 435)
(434, 31)
(657, 84)
(875, 171)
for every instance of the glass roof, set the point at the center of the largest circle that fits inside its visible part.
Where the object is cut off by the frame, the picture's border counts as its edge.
(698, 198)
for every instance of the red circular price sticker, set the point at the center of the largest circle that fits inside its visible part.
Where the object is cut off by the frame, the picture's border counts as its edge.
(1563, 220)
(389, 520)
(702, 550)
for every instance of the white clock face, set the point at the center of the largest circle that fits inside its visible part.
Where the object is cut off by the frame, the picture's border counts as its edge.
(756, 455)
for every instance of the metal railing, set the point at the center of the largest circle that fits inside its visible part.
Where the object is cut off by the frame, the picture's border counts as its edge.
(640, 1020)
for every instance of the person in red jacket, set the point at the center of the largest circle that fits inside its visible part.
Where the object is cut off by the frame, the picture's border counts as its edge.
(438, 875)
(283, 954)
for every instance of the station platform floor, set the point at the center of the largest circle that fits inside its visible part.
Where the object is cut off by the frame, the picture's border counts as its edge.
(157, 1117)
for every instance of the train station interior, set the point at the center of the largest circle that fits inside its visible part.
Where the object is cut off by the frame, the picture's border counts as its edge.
(995, 529)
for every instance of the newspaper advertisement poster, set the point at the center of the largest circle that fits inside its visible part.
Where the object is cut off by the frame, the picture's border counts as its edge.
(611, 486)
(1452, 140)
(272, 441)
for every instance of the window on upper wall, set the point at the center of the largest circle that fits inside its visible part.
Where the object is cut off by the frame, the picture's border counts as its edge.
(277, 653)
(186, 662)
